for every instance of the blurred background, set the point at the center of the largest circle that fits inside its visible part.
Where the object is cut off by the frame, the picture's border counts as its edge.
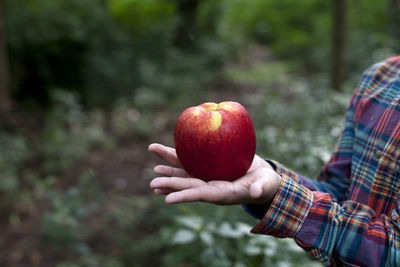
(85, 86)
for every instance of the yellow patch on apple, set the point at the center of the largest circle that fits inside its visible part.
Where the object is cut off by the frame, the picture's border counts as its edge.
(210, 106)
(215, 121)
(227, 105)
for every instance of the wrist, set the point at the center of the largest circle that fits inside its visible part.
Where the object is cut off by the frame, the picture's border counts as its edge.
(270, 163)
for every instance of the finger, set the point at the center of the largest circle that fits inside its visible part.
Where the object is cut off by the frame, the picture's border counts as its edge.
(170, 171)
(166, 153)
(176, 183)
(203, 193)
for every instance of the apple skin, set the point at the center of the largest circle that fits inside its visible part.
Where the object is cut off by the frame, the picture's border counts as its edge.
(215, 141)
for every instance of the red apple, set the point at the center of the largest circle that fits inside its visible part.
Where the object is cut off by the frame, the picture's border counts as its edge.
(215, 141)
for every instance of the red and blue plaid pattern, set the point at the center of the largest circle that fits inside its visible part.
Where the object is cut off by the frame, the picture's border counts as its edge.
(350, 216)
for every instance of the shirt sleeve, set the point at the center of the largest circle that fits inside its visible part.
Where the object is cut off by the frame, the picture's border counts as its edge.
(348, 233)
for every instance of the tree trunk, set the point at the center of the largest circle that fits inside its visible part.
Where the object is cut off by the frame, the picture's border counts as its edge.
(338, 43)
(186, 25)
(5, 102)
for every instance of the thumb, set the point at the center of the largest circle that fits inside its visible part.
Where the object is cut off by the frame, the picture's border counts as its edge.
(256, 189)
(264, 188)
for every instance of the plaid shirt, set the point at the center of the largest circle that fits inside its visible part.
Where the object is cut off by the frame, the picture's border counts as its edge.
(350, 216)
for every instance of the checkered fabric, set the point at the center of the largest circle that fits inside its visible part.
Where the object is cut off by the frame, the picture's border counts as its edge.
(350, 214)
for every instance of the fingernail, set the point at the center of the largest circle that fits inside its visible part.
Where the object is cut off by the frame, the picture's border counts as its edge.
(155, 169)
(149, 147)
(152, 184)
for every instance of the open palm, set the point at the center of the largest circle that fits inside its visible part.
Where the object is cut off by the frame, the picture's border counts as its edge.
(257, 186)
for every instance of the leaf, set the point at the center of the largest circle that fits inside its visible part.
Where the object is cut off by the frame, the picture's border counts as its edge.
(183, 236)
(243, 228)
(252, 250)
(192, 222)
(207, 238)
(226, 230)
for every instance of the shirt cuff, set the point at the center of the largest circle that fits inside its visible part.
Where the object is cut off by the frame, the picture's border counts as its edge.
(282, 170)
(288, 210)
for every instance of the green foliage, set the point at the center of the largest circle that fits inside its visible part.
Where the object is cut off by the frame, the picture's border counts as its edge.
(13, 154)
(114, 42)
(302, 30)
(202, 243)
(63, 225)
(274, 21)
(100, 51)
(155, 16)
(38, 22)
(69, 132)
(48, 41)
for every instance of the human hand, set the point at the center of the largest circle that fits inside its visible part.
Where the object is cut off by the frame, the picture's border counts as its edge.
(257, 186)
